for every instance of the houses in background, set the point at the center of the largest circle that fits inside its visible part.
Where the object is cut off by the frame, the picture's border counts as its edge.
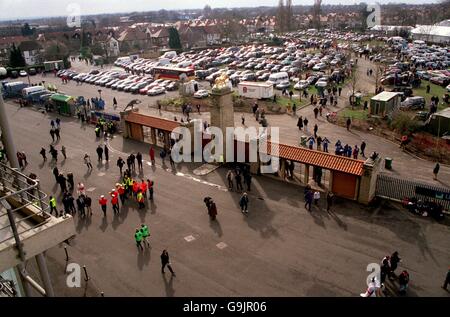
(31, 51)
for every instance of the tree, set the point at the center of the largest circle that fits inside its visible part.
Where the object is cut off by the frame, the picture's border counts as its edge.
(207, 11)
(289, 15)
(316, 11)
(281, 17)
(15, 57)
(174, 39)
(26, 30)
(98, 49)
(55, 51)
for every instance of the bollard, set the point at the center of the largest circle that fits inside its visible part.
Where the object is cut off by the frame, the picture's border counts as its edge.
(67, 254)
(86, 274)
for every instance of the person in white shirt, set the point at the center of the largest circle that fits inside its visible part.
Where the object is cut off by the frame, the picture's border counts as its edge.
(316, 197)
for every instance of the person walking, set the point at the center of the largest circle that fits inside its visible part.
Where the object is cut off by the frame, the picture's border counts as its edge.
(329, 200)
(294, 110)
(52, 134)
(355, 152)
(305, 123)
(308, 199)
(165, 261)
(99, 153)
(115, 203)
(212, 210)
(362, 148)
(316, 112)
(316, 197)
(120, 164)
(114, 102)
(152, 156)
(145, 234)
(140, 199)
(150, 189)
(70, 180)
(63, 151)
(44, 156)
(62, 182)
(316, 128)
(81, 206)
(395, 259)
(139, 160)
(238, 179)
(133, 161)
(325, 143)
(243, 202)
(230, 179)
(58, 137)
(348, 123)
(56, 173)
(52, 203)
(88, 203)
(300, 123)
(103, 201)
(436, 171)
(106, 151)
(248, 180)
(58, 123)
(87, 161)
(138, 238)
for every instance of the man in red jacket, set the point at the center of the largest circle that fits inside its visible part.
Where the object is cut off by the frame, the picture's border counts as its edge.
(144, 188)
(103, 201)
(115, 203)
(136, 187)
(121, 191)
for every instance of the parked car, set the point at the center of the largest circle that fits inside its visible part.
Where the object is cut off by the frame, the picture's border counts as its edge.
(283, 85)
(201, 94)
(302, 84)
(413, 103)
(156, 91)
(23, 73)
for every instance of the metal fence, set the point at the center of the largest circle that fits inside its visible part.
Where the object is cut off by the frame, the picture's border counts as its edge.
(18, 191)
(398, 189)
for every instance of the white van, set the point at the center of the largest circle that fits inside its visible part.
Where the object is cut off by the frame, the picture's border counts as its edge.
(277, 78)
(29, 90)
(163, 61)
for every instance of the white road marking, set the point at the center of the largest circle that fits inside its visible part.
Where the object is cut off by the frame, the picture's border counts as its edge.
(221, 245)
(189, 238)
(101, 174)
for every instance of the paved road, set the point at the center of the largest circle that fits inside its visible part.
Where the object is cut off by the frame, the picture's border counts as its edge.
(279, 249)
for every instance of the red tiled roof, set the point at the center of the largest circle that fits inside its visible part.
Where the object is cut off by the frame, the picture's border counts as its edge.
(150, 121)
(317, 158)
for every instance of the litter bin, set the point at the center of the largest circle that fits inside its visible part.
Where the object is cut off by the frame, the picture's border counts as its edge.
(388, 163)
(303, 139)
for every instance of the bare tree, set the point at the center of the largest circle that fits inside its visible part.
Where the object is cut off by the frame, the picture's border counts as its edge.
(281, 17)
(289, 15)
(316, 13)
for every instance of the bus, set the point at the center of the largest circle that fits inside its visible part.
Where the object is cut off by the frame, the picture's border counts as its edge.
(173, 73)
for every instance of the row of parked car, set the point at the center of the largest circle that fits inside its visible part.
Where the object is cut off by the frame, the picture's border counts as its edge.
(121, 81)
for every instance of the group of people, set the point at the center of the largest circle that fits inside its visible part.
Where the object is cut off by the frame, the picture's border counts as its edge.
(237, 176)
(348, 151)
(311, 196)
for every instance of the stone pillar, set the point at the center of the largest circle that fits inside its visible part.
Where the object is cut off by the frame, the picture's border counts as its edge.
(222, 112)
(306, 176)
(123, 125)
(153, 135)
(368, 182)
(282, 168)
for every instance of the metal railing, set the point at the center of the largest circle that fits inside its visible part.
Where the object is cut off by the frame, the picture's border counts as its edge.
(21, 201)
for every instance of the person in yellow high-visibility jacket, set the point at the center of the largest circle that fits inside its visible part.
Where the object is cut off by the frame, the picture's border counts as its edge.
(140, 199)
(52, 203)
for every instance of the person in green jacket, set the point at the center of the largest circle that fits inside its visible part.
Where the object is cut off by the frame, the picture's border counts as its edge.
(145, 234)
(138, 237)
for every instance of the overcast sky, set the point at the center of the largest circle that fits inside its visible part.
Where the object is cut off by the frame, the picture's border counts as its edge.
(11, 9)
